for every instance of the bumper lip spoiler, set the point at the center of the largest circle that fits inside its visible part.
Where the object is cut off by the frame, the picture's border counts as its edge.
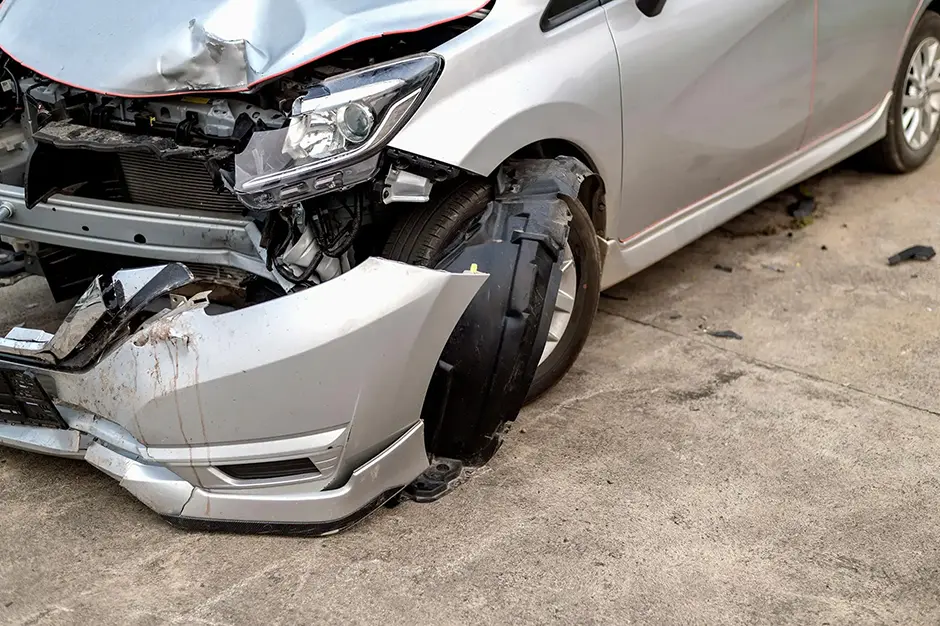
(312, 513)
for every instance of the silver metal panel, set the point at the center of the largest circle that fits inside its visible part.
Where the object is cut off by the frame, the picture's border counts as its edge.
(117, 228)
(171, 46)
(506, 84)
(627, 258)
(859, 47)
(712, 93)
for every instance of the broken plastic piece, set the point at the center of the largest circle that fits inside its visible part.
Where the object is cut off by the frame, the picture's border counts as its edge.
(436, 481)
(724, 334)
(724, 268)
(488, 365)
(917, 253)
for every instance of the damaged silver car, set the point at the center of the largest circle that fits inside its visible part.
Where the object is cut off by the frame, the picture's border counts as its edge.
(322, 251)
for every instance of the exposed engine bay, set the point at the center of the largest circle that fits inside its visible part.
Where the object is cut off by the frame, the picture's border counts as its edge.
(303, 155)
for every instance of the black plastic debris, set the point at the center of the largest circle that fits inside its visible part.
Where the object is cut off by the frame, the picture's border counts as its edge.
(914, 253)
(11, 263)
(436, 481)
(724, 334)
(823, 248)
(487, 366)
(724, 268)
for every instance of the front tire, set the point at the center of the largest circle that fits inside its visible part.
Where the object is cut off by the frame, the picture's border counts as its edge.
(914, 116)
(421, 236)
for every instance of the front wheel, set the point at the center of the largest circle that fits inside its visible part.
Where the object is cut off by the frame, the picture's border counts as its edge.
(576, 305)
(423, 234)
(914, 116)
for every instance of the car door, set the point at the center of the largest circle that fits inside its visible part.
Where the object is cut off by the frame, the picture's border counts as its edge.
(714, 91)
(859, 48)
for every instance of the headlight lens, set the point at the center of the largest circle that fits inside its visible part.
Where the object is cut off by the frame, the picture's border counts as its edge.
(335, 133)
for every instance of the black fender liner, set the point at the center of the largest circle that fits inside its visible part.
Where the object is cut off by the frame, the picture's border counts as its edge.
(489, 362)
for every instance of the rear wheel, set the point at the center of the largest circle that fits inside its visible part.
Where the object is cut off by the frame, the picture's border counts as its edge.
(914, 116)
(421, 236)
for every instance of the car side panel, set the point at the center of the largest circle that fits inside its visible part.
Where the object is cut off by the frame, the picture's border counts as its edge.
(858, 51)
(507, 84)
(713, 91)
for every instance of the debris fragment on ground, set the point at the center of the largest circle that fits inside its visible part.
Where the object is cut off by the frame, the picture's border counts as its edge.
(11, 263)
(724, 268)
(12, 266)
(915, 253)
(772, 268)
(724, 334)
(804, 207)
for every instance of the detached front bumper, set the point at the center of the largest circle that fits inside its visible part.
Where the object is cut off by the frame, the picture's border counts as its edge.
(336, 375)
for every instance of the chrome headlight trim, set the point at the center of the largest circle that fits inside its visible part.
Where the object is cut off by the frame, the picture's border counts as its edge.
(296, 158)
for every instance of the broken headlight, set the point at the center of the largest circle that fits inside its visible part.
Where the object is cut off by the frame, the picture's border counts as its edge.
(336, 132)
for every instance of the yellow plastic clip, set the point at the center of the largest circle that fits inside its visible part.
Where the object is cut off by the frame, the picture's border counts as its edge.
(473, 268)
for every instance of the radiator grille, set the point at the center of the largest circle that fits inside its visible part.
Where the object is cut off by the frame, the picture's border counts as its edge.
(174, 183)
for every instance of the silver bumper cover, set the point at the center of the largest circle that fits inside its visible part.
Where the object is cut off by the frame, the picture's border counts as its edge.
(336, 374)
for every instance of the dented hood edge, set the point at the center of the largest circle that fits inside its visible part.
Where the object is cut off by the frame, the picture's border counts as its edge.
(177, 46)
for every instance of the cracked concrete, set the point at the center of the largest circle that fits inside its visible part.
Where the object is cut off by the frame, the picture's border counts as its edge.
(672, 477)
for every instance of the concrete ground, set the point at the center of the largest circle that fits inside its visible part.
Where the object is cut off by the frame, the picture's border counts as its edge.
(789, 477)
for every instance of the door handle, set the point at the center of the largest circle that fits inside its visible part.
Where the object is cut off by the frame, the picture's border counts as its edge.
(650, 8)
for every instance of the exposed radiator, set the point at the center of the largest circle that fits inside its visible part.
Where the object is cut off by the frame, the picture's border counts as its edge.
(174, 183)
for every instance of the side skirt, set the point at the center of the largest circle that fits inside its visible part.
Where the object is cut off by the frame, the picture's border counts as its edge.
(627, 257)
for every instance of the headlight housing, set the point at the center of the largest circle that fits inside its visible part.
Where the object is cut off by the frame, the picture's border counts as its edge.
(336, 132)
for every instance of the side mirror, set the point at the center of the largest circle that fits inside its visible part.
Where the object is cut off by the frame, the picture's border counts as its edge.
(650, 8)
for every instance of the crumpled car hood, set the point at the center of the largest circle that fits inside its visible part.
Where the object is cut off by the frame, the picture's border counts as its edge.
(165, 47)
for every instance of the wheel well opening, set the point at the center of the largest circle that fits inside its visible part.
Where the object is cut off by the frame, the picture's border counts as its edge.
(592, 194)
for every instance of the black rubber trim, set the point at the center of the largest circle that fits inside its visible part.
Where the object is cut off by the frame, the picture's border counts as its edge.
(292, 529)
(548, 21)
(269, 469)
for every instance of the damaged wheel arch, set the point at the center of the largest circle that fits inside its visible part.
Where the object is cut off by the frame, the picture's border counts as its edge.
(488, 365)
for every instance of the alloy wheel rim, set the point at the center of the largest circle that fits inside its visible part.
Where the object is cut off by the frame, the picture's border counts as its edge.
(920, 105)
(564, 303)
